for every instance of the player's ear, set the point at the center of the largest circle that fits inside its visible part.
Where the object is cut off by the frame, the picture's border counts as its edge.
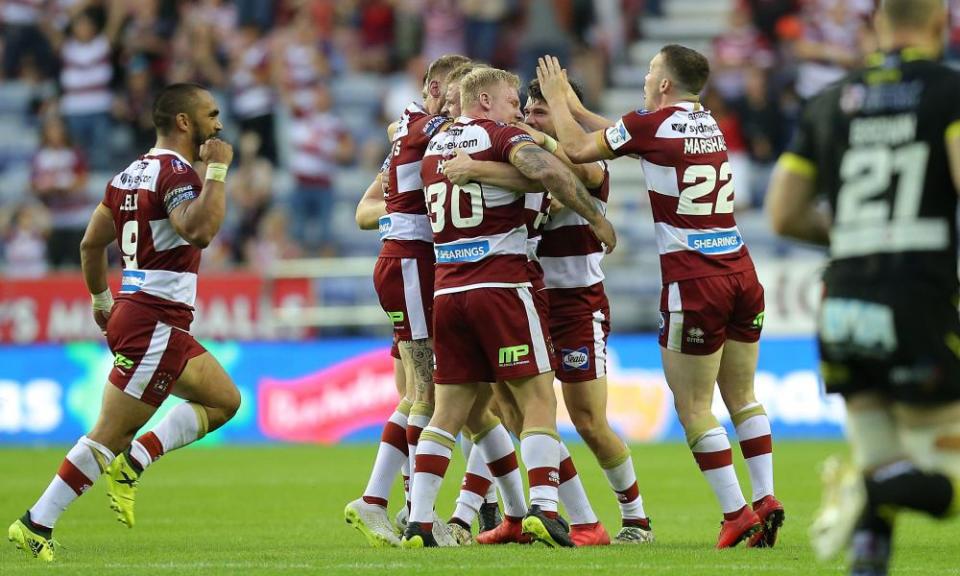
(183, 121)
(484, 99)
(434, 88)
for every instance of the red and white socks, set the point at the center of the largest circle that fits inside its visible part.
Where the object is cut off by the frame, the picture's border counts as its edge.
(184, 424)
(473, 490)
(78, 471)
(711, 449)
(498, 451)
(623, 480)
(540, 450)
(419, 418)
(571, 492)
(391, 457)
(434, 450)
(756, 444)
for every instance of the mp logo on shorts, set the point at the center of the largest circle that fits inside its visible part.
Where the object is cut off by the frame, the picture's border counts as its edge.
(578, 359)
(695, 335)
(395, 317)
(511, 355)
(122, 362)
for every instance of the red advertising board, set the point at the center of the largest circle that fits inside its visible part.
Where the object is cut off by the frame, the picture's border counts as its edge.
(237, 306)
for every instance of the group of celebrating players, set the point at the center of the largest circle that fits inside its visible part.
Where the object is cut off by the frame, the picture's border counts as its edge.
(493, 227)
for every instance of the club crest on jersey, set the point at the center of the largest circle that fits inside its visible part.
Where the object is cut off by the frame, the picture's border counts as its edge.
(617, 135)
(179, 167)
(577, 359)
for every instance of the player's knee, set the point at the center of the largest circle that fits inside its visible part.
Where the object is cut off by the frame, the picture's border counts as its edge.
(589, 424)
(231, 403)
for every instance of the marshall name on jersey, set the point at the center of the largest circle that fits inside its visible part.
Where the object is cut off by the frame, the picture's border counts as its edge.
(690, 182)
(159, 267)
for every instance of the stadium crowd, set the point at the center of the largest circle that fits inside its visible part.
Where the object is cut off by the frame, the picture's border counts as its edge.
(310, 84)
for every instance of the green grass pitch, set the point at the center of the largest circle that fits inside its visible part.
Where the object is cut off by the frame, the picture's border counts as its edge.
(279, 510)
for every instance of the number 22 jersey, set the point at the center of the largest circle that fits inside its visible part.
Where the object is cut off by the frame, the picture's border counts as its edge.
(690, 182)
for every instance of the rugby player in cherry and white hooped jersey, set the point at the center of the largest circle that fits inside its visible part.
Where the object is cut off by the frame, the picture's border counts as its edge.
(403, 279)
(161, 215)
(486, 325)
(712, 303)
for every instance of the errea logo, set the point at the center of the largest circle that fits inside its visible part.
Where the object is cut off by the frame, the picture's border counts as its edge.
(695, 335)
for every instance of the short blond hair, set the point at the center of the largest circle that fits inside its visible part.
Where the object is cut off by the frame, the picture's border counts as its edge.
(457, 74)
(483, 79)
(442, 66)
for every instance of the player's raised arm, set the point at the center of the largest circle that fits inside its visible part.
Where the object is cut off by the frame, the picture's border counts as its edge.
(590, 173)
(198, 220)
(580, 146)
(461, 169)
(372, 205)
(93, 262)
(538, 164)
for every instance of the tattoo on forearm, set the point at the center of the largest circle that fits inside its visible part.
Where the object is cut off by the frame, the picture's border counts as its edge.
(537, 164)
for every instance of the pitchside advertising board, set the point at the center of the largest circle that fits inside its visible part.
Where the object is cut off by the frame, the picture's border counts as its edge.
(330, 391)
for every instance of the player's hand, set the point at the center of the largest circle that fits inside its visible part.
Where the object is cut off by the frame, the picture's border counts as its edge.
(101, 317)
(459, 168)
(553, 80)
(605, 234)
(216, 150)
(538, 137)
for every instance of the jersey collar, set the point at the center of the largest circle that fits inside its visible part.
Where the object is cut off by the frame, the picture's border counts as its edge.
(161, 151)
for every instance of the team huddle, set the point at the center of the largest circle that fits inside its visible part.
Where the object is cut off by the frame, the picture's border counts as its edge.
(493, 227)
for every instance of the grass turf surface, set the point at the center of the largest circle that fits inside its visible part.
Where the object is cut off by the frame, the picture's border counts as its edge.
(279, 510)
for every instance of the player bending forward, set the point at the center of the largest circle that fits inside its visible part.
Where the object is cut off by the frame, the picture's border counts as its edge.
(161, 221)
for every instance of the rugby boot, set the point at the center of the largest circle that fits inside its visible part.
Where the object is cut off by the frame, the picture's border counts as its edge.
(418, 536)
(490, 516)
(32, 539)
(372, 521)
(510, 530)
(770, 511)
(843, 502)
(460, 533)
(635, 533)
(122, 481)
(545, 529)
(745, 525)
(589, 534)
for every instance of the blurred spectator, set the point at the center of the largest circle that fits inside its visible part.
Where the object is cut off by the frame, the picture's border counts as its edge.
(24, 242)
(734, 52)
(768, 15)
(763, 130)
(256, 13)
(545, 31)
(373, 37)
(443, 29)
(196, 54)
(737, 152)
(85, 81)
(22, 37)
(483, 20)
(300, 61)
(836, 34)
(59, 178)
(135, 107)
(252, 95)
(251, 193)
(319, 142)
(953, 33)
(271, 243)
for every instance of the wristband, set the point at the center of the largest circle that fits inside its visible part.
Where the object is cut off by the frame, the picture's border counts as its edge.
(103, 300)
(549, 144)
(217, 171)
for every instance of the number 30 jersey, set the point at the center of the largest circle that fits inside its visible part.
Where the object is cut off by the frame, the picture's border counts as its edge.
(159, 267)
(690, 183)
(479, 230)
(875, 145)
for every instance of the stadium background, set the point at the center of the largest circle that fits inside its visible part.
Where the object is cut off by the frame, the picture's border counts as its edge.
(306, 88)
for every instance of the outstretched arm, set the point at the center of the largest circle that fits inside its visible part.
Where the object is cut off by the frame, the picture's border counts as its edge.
(372, 205)
(538, 164)
(580, 146)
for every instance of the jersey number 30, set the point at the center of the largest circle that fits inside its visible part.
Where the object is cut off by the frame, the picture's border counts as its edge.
(437, 197)
(700, 181)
